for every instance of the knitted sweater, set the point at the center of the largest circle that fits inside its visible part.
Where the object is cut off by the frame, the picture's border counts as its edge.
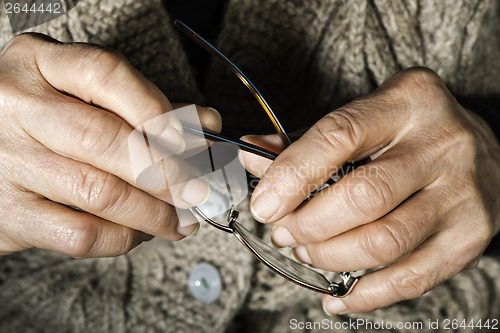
(306, 57)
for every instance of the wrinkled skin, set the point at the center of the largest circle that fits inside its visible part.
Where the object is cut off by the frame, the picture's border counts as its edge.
(426, 206)
(66, 112)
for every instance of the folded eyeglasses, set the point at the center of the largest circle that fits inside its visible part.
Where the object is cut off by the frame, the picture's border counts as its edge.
(276, 261)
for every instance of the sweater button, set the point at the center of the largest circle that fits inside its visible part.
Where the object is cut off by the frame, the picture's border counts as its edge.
(205, 283)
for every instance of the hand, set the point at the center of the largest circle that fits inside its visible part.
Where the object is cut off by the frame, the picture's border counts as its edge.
(66, 113)
(426, 206)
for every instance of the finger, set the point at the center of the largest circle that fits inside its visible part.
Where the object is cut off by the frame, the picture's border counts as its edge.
(209, 117)
(381, 242)
(362, 196)
(456, 246)
(9, 246)
(409, 278)
(58, 228)
(358, 129)
(95, 191)
(102, 77)
(255, 164)
(94, 75)
(272, 142)
(103, 140)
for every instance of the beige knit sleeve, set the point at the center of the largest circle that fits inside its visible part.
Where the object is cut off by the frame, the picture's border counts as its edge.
(460, 40)
(462, 43)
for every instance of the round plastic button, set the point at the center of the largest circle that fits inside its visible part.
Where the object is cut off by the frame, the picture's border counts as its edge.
(205, 283)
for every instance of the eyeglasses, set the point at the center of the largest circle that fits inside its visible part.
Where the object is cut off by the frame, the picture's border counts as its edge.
(276, 261)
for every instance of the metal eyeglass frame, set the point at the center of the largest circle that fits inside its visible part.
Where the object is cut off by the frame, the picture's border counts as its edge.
(279, 263)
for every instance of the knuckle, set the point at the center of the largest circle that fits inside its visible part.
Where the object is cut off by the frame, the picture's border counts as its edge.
(19, 43)
(162, 221)
(421, 79)
(366, 302)
(101, 191)
(309, 229)
(322, 256)
(10, 93)
(84, 239)
(159, 114)
(371, 196)
(79, 239)
(421, 75)
(23, 44)
(290, 172)
(157, 224)
(480, 236)
(9, 245)
(473, 264)
(409, 284)
(98, 133)
(127, 239)
(339, 129)
(100, 66)
(464, 144)
(421, 88)
(486, 231)
(386, 243)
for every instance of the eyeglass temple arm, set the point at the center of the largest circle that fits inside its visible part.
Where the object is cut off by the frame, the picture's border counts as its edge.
(248, 147)
(211, 49)
(241, 144)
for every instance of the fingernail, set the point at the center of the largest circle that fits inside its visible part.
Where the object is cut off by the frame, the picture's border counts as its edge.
(196, 192)
(302, 255)
(188, 224)
(173, 140)
(188, 230)
(245, 137)
(326, 312)
(335, 306)
(282, 237)
(265, 206)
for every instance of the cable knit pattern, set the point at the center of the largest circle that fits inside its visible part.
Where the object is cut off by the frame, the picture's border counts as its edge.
(307, 57)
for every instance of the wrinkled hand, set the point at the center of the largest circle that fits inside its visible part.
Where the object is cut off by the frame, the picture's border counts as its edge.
(426, 207)
(66, 112)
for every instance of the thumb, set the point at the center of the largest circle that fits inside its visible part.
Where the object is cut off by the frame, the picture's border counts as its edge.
(257, 165)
